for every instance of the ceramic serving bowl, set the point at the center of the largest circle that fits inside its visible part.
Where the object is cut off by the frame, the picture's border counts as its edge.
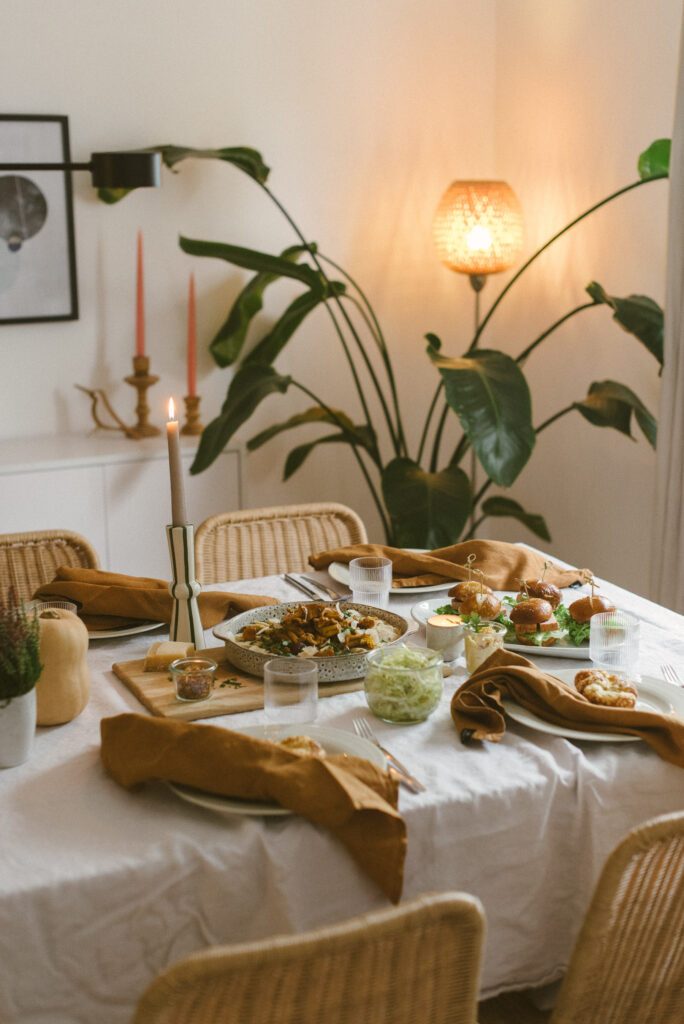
(333, 669)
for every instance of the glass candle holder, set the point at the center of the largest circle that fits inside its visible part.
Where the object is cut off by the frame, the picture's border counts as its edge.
(193, 678)
(445, 633)
(481, 641)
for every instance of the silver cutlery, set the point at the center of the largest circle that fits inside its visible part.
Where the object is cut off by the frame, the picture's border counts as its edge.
(302, 587)
(363, 729)
(334, 595)
(670, 673)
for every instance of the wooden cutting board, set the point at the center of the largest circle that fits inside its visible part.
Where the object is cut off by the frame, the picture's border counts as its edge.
(234, 690)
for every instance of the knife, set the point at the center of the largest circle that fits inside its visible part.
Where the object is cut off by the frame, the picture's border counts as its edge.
(334, 595)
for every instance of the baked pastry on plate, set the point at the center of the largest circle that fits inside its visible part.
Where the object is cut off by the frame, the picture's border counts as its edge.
(606, 689)
(303, 745)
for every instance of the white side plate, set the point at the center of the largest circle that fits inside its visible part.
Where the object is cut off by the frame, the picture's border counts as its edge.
(654, 695)
(333, 741)
(108, 634)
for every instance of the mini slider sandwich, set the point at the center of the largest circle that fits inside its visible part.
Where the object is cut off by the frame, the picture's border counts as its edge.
(535, 624)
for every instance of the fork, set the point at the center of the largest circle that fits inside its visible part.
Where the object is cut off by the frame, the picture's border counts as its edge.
(363, 729)
(670, 673)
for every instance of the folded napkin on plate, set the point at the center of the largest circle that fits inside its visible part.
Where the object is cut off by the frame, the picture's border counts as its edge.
(478, 714)
(110, 600)
(347, 795)
(503, 564)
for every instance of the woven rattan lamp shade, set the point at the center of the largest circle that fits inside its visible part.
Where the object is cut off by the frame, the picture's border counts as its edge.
(478, 227)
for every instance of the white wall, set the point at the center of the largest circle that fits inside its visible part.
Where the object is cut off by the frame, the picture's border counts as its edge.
(582, 89)
(365, 111)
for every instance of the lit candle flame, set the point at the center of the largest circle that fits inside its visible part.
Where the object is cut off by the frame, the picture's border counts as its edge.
(172, 409)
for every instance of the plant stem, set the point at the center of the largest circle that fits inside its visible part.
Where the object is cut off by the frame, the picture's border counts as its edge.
(533, 257)
(362, 466)
(537, 341)
(433, 406)
(438, 438)
(552, 419)
(350, 326)
(382, 344)
(473, 527)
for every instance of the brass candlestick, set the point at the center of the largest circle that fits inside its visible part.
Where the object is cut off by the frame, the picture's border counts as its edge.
(142, 379)
(193, 424)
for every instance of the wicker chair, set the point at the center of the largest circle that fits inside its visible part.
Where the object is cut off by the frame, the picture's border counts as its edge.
(628, 963)
(418, 963)
(29, 559)
(266, 541)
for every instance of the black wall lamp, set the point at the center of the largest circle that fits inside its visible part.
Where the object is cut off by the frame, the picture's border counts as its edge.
(126, 169)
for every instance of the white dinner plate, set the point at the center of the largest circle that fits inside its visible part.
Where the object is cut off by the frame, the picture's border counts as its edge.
(340, 572)
(654, 695)
(422, 611)
(108, 634)
(333, 741)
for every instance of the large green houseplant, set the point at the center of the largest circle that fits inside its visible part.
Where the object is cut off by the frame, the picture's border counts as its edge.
(424, 499)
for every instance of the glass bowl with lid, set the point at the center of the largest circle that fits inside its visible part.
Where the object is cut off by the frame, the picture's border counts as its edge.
(403, 683)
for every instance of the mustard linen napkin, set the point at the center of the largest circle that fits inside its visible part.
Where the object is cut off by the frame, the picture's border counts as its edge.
(478, 714)
(349, 796)
(503, 564)
(109, 600)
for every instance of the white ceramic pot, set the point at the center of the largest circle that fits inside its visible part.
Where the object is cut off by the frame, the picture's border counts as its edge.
(17, 729)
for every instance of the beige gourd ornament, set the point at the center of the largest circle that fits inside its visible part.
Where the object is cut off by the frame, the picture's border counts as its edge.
(64, 686)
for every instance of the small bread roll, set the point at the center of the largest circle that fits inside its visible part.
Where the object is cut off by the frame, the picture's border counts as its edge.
(606, 689)
(466, 589)
(585, 607)
(487, 606)
(303, 745)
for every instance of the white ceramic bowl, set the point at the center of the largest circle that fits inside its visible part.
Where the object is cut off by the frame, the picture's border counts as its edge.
(330, 670)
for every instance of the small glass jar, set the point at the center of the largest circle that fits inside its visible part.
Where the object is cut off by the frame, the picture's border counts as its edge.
(403, 683)
(193, 678)
(481, 641)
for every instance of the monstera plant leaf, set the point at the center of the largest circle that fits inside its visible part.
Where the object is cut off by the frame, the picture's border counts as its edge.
(488, 392)
(637, 314)
(654, 162)
(609, 404)
(426, 509)
(243, 157)
(248, 388)
(335, 417)
(252, 259)
(274, 342)
(498, 505)
(227, 344)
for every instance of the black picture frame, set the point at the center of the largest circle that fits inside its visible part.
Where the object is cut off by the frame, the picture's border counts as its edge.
(36, 216)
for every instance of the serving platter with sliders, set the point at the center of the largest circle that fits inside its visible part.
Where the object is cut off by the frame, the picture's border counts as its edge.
(540, 618)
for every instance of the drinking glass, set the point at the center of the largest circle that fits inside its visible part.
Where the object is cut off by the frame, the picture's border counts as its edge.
(370, 578)
(290, 690)
(614, 642)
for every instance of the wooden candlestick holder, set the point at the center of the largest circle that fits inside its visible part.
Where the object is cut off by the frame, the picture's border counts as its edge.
(142, 379)
(193, 423)
(186, 624)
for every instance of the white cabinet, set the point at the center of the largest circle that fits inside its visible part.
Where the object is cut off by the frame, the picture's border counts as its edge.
(113, 491)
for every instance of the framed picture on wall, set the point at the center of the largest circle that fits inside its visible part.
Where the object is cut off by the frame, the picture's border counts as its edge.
(37, 248)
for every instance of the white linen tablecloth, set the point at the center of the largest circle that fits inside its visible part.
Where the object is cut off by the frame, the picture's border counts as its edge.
(100, 888)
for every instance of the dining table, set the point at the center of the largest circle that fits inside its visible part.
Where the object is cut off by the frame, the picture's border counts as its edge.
(102, 888)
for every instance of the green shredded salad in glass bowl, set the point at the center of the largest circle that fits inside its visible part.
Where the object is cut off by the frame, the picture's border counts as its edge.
(403, 683)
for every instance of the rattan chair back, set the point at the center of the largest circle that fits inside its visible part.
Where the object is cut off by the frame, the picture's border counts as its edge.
(266, 541)
(628, 963)
(29, 559)
(418, 963)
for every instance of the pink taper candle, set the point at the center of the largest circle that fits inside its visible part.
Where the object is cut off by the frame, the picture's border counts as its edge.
(192, 339)
(178, 515)
(140, 302)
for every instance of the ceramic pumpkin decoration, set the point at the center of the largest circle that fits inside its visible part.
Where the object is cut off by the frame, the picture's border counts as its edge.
(64, 686)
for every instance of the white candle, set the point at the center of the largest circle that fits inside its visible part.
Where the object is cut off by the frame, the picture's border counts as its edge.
(178, 514)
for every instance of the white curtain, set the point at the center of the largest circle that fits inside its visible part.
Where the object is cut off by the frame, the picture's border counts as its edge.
(668, 542)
